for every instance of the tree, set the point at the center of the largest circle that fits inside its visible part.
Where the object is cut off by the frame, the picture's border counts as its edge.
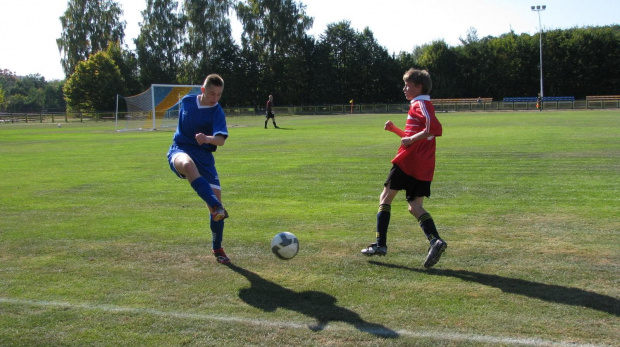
(2, 104)
(54, 97)
(26, 94)
(209, 46)
(87, 27)
(359, 68)
(272, 31)
(270, 26)
(94, 84)
(128, 66)
(339, 39)
(158, 47)
(29, 93)
(582, 61)
(440, 61)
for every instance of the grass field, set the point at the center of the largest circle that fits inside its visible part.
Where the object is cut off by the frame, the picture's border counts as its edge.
(101, 245)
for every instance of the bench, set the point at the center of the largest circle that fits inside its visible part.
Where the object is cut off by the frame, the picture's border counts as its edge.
(462, 100)
(603, 98)
(535, 99)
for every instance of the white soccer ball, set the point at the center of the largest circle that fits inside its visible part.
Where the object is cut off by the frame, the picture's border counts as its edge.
(285, 245)
(59, 125)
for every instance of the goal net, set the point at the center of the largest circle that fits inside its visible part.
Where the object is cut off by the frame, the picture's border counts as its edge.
(155, 108)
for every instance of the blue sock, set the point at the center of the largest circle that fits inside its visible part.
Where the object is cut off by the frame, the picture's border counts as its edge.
(217, 233)
(202, 187)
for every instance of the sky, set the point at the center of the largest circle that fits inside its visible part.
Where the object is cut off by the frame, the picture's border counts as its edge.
(29, 28)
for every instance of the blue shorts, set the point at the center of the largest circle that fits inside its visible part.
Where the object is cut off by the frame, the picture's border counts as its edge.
(205, 163)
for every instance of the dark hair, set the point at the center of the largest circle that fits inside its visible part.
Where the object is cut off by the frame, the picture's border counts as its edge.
(419, 77)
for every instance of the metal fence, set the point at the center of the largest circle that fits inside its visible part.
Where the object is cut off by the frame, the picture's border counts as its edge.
(56, 117)
(70, 117)
(450, 107)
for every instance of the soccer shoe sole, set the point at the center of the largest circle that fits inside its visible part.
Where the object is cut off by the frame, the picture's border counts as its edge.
(219, 215)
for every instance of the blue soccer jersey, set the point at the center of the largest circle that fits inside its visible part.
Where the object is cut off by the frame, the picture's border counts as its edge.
(195, 118)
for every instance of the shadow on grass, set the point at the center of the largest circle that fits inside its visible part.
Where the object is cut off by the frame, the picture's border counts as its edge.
(269, 296)
(547, 292)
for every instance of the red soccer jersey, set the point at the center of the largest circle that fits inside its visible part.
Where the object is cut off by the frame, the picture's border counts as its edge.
(418, 159)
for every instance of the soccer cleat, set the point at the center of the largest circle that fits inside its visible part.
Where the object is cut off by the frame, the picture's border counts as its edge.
(374, 249)
(219, 213)
(434, 252)
(220, 256)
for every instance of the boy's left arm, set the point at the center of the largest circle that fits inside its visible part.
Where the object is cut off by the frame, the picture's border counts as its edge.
(406, 141)
(432, 129)
(217, 140)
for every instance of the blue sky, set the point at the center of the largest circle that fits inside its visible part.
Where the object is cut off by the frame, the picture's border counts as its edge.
(29, 28)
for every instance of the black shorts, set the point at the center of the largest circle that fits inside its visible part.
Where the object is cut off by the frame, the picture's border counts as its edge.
(270, 115)
(398, 180)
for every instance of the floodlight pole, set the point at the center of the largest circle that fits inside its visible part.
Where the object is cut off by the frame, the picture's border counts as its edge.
(539, 8)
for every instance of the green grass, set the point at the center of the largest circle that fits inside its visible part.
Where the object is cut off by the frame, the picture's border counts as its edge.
(101, 245)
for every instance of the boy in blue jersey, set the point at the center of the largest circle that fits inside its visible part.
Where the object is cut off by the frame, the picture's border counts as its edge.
(202, 128)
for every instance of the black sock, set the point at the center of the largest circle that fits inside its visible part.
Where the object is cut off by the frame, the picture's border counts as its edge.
(383, 221)
(428, 226)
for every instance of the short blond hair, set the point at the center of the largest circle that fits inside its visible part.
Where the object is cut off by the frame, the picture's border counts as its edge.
(213, 80)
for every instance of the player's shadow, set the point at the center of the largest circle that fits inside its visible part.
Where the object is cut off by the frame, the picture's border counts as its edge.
(542, 291)
(269, 296)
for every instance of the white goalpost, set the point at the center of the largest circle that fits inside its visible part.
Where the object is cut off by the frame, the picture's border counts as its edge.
(155, 108)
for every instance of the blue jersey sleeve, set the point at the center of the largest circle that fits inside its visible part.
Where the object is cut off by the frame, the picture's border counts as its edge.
(219, 123)
(218, 126)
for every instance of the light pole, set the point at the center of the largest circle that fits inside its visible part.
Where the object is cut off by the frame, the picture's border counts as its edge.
(539, 8)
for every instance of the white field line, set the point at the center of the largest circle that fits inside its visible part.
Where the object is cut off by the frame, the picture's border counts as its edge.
(277, 324)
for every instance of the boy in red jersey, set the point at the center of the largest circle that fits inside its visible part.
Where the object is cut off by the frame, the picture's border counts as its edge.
(413, 166)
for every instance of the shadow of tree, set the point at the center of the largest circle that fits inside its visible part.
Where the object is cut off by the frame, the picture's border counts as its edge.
(269, 296)
(547, 292)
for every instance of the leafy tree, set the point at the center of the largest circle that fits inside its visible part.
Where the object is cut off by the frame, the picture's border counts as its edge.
(2, 103)
(361, 69)
(26, 94)
(379, 77)
(87, 27)
(94, 84)
(582, 61)
(54, 97)
(270, 26)
(440, 61)
(29, 93)
(340, 40)
(272, 31)
(209, 46)
(128, 66)
(158, 47)
(7, 79)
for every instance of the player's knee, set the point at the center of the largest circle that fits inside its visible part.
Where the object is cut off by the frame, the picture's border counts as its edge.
(416, 209)
(186, 167)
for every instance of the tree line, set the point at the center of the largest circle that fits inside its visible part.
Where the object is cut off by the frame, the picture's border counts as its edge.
(180, 42)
